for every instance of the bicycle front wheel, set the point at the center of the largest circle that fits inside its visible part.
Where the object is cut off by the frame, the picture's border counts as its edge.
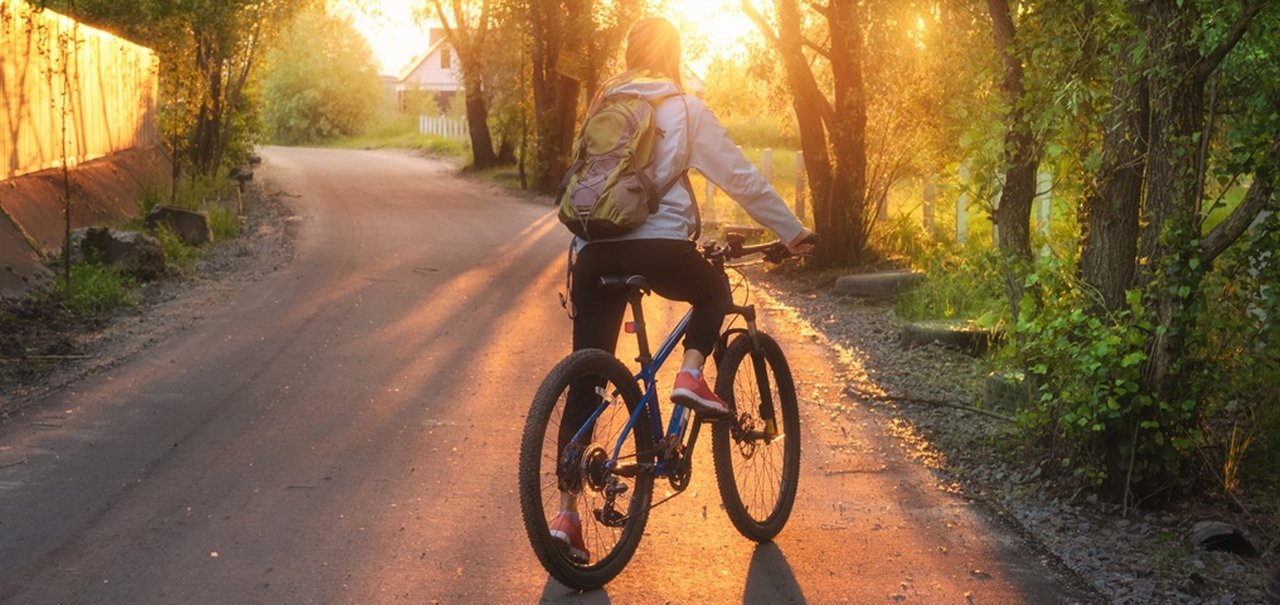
(558, 460)
(757, 456)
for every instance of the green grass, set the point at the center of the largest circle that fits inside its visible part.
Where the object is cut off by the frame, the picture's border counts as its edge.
(960, 284)
(401, 132)
(93, 290)
(224, 222)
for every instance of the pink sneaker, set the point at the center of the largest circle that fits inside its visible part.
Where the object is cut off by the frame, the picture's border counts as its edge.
(566, 528)
(693, 393)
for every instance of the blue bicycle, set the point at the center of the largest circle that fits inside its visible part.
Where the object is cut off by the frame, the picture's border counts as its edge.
(612, 459)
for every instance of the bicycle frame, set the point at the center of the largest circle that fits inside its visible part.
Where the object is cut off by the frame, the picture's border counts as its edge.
(649, 367)
(648, 374)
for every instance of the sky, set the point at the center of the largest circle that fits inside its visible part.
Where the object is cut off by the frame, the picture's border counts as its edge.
(396, 37)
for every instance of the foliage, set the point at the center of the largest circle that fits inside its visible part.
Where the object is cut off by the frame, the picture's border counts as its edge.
(960, 284)
(321, 81)
(1087, 369)
(176, 253)
(92, 290)
(1234, 359)
(224, 221)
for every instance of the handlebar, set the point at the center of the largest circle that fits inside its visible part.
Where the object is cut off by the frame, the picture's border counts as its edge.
(735, 247)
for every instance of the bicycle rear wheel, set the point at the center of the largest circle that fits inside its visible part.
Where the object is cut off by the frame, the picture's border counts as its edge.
(757, 468)
(613, 508)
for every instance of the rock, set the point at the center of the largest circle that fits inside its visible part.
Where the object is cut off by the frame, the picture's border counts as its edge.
(882, 285)
(130, 252)
(191, 226)
(1220, 536)
(956, 335)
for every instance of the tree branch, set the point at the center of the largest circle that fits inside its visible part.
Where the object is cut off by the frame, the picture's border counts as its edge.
(821, 9)
(1211, 61)
(766, 30)
(816, 48)
(1260, 193)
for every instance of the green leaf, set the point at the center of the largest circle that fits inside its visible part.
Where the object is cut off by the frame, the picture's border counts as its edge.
(1133, 359)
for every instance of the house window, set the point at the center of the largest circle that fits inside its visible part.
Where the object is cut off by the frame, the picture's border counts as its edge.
(444, 58)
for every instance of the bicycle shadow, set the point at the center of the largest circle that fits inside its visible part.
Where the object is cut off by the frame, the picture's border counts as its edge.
(555, 592)
(769, 578)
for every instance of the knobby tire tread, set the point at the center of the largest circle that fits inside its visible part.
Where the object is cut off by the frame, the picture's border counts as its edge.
(590, 362)
(723, 449)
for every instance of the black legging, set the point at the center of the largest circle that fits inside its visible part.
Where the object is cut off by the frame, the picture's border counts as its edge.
(675, 270)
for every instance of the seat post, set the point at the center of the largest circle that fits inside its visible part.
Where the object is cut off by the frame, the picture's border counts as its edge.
(634, 296)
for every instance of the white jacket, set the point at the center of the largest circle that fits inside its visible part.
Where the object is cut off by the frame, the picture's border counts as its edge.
(712, 154)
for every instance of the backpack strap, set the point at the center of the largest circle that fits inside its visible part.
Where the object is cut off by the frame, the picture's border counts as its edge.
(682, 177)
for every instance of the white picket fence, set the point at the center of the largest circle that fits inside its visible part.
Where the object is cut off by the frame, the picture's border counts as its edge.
(442, 126)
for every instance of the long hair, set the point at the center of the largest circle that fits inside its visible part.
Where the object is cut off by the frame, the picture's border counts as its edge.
(654, 44)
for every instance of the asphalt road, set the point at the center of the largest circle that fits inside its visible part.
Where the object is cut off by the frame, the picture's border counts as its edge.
(344, 430)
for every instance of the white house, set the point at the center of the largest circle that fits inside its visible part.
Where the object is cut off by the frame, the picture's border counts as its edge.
(435, 71)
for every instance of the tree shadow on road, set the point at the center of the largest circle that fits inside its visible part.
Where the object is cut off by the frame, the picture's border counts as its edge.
(769, 579)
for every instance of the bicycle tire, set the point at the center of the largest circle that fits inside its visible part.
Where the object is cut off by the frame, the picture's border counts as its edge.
(757, 478)
(610, 548)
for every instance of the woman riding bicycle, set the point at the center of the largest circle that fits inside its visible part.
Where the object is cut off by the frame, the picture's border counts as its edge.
(662, 249)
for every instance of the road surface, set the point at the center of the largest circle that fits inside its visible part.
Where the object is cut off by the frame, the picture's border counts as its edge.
(344, 430)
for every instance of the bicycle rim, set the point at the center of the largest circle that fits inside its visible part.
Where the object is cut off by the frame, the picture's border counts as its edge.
(757, 476)
(611, 526)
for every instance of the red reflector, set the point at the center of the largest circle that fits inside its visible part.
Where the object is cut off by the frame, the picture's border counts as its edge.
(630, 327)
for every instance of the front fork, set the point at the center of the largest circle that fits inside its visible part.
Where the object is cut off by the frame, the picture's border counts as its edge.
(766, 408)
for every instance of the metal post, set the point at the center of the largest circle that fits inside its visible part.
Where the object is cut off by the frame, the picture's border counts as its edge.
(1044, 209)
(800, 190)
(962, 205)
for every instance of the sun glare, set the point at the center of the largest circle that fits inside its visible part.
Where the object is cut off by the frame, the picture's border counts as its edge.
(391, 29)
(711, 29)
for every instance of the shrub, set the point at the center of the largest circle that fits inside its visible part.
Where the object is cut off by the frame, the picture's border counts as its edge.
(93, 290)
(960, 283)
(176, 253)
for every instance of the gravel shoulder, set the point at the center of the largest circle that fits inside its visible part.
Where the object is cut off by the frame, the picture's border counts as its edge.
(42, 350)
(1143, 557)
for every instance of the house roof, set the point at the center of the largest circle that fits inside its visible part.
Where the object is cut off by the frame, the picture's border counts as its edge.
(416, 63)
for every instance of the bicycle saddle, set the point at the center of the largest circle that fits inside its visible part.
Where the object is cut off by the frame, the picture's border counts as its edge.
(625, 282)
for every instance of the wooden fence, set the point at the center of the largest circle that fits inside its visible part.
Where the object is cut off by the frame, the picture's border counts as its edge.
(69, 91)
(442, 126)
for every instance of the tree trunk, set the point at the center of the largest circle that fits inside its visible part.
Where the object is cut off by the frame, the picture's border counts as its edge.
(852, 217)
(832, 136)
(1177, 113)
(482, 154)
(1108, 259)
(555, 97)
(1021, 158)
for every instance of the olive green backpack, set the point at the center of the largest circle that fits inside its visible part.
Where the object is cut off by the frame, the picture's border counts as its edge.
(609, 188)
